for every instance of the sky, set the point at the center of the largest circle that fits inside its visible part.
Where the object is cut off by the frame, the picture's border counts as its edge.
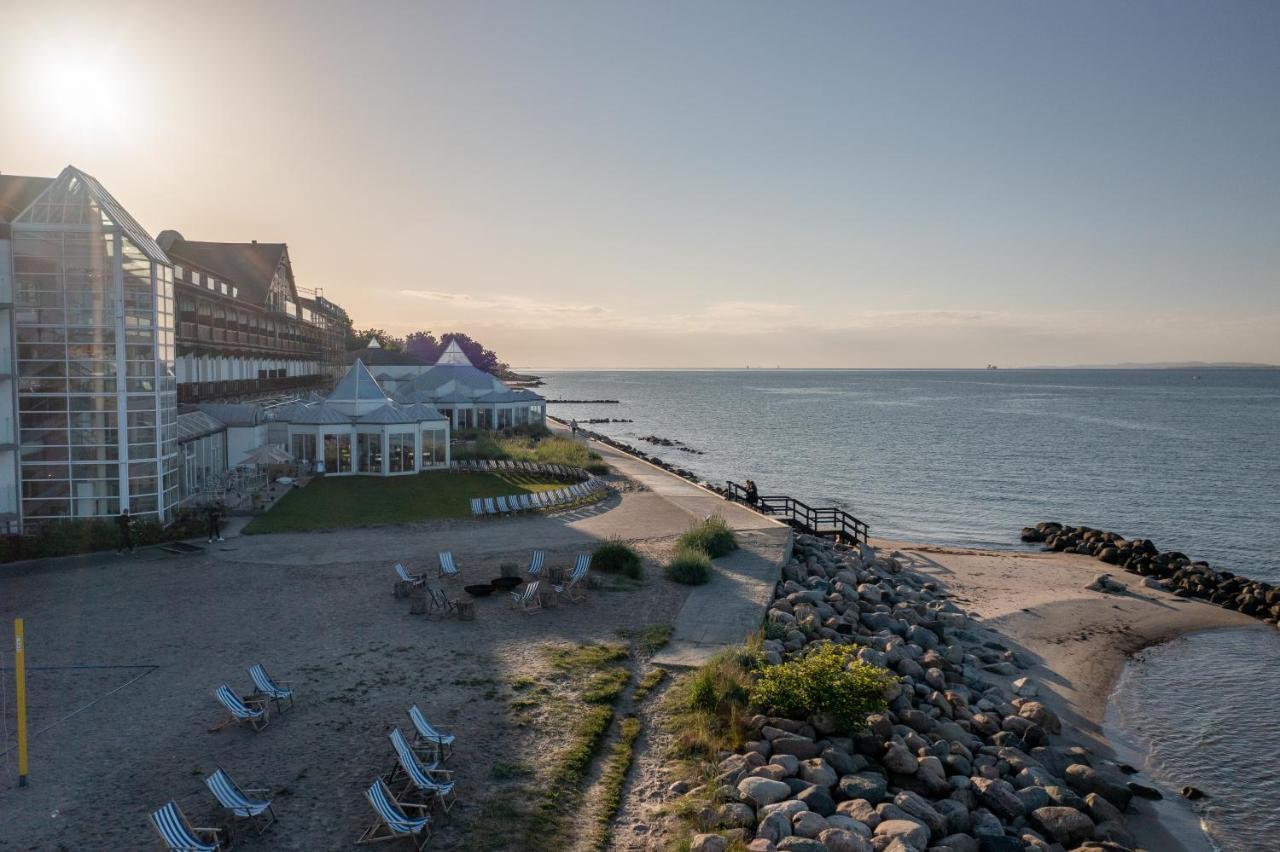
(701, 184)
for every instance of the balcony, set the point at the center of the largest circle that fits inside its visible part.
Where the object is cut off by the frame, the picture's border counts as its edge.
(217, 391)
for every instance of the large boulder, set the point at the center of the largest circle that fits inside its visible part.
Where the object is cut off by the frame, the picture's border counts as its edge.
(817, 799)
(1064, 825)
(817, 772)
(871, 786)
(762, 791)
(913, 833)
(1000, 797)
(708, 843)
(1086, 779)
(898, 759)
(840, 840)
(917, 806)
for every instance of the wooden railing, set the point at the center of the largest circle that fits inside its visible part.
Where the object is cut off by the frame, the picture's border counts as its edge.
(828, 522)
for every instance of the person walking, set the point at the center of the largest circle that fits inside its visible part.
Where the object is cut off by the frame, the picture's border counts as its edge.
(125, 523)
(215, 522)
(573, 427)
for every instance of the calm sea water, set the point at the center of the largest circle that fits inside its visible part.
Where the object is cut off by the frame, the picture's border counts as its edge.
(1189, 459)
(1217, 733)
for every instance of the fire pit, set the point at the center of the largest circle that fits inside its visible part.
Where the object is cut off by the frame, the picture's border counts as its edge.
(479, 590)
(506, 584)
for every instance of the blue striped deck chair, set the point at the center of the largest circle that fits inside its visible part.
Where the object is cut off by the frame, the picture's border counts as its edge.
(179, 835)
(477, 507)
(268, 688)
(251, 712)
(428, 780)
(440, 743)
(503, 508)
(536, 560)
(526, 502)
(562, 496)
(490, 507)
(392, 822)
(576, 492)
(543, 498)
(572, 588)
(234, 801)
(447, 566)
(488, 464)
(527, 599)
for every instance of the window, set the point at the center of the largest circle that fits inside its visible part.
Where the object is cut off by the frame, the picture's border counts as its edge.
(433, 447)
(195, 278)
(223, 285)
(369, 452)
(178, 272)
(337, 453)
(304, 448)
(400, 452)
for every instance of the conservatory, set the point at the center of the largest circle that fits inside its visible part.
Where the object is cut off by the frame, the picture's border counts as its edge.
(470, 398)
(358, 429)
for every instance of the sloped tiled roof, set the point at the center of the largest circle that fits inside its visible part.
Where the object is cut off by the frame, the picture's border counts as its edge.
(17, 192)
(249, 266)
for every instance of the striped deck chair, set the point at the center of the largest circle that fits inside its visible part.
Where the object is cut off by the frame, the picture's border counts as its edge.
(251, 712)
(477, 507)
(409, 580)
(490, 507)
(503, 508)
(440, 602)
(392, 822)
(440, 743)
(427, 780)
(179, 835)
(527, 598)
(572, 588)
(447, 566)
(490, 464)
(268, 688)
(536, 561)
(543, 498)
(526, 502)
(233, 800)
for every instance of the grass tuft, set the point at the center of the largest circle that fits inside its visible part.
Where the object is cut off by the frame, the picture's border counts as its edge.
(689, 566)
(647, 683)
(617, 557)
(713, 537)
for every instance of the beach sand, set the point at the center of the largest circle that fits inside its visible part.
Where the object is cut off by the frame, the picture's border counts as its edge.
(1079, 640)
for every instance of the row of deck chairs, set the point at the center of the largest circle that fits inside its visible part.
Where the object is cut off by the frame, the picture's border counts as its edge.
(244, 805)
(533, 468)
(536, 501)
(417, 784)
(254, 709)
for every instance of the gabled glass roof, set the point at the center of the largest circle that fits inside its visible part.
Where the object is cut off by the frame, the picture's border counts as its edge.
(77, 198)
(358, 386)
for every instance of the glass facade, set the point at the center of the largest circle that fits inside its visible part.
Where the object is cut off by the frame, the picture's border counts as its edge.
(97, 393)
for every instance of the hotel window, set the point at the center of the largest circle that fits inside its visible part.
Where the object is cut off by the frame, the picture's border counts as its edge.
(223, 285)
(235, 292)
(178, 272)
(195, 278)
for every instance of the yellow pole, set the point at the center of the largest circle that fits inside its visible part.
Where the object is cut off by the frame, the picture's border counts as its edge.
(20, 668)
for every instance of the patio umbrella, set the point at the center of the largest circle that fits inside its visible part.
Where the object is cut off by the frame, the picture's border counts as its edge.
(266, 454)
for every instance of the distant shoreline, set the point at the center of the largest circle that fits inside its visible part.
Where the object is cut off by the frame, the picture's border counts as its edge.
(543, 371)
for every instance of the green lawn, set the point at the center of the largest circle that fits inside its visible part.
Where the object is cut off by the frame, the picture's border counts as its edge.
(359, 501)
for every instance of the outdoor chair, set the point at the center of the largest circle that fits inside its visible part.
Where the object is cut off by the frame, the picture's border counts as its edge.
(544, 499)
(490, 507)
(572, 587)
(536, 560)
(447, 566)
(422, 778)
(392, 821)
(407, 581)
(268, 688)
(490, 464)
(527, 598)
(251, 712)
(526, 502)
(440, 602)
(179, 835)
(477, 507)
(256, 812)
(503, 508)
(440, 743)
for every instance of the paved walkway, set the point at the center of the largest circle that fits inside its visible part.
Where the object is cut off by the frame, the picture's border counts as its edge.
(733, 604)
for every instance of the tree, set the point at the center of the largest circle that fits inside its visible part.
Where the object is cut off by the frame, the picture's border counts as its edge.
(423, 346)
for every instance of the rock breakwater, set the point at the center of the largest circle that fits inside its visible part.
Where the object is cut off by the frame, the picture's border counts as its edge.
(1169, 570)
(963, 759)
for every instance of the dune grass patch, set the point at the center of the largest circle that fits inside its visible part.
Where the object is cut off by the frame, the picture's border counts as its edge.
(689, 566)
(615, 556)
(713, 537)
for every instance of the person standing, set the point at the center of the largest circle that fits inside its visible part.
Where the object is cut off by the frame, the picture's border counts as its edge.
(753, 493)
(125, 523)
(573, 427)
(215, 523)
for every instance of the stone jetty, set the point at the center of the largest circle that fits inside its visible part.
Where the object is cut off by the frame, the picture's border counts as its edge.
(966, 757)
(1169, 570)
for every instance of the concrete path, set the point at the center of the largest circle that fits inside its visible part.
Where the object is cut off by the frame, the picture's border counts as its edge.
(732, 605)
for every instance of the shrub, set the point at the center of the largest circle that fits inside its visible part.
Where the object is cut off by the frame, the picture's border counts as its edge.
(707, 708)
(713, 536)
(616, 557)
(829, 681)
(689, 566)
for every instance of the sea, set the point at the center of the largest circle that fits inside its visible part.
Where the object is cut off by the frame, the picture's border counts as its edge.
(1189, 458)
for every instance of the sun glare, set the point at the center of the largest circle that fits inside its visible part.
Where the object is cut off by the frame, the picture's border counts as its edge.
(82, 92)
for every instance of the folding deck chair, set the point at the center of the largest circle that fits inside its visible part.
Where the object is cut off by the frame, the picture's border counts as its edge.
(536, 561)
(251, 712)
(503, 508)
(268, 688)
(422, 778)
(447, 566)
(477, 507)
(572, 588)
(180, 836)
(441, 602)
(440, 743)
(409, 580)
(490, 506)
(233, 800)
(527, 598)
(392, 822)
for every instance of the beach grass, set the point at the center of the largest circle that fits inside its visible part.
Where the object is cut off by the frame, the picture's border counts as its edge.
(361, 501)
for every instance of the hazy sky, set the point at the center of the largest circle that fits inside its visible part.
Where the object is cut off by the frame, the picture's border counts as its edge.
(702, 183)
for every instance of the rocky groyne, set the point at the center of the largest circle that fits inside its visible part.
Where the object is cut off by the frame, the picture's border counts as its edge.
(623, 446)
(965, 758)
(1170, 570)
